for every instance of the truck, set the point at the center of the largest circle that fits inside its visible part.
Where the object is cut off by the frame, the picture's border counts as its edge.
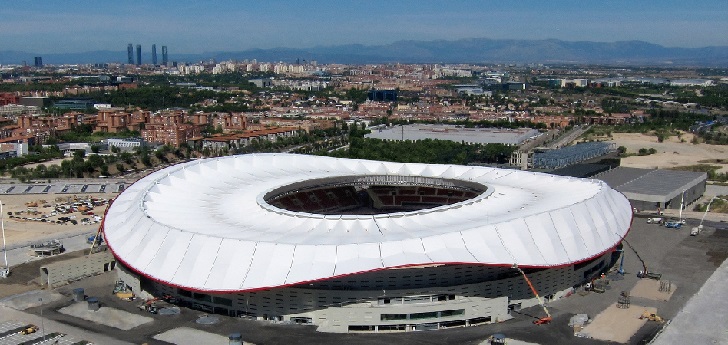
(673, 224)
(696, 230)
(650, 275)
(98, 238)
(29, 329)
(651, 316)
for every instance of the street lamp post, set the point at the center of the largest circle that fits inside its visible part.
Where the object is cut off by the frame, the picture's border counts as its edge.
(42, 322)
(707, 208)
(4, 271)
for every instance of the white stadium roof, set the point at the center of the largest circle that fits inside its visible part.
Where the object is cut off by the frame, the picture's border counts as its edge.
(205, 226)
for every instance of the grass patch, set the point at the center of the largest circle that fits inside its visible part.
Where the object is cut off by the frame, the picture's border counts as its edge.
(719, 205)
(711, 170)
(718, 161)
(706, 168)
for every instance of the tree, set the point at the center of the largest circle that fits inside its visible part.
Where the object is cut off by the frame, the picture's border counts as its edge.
(94, 162)
(621, 150)
(127, 158)
(79, 154)
(146, 160)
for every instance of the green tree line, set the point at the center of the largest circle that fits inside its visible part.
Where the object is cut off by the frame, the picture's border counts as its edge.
(425, 151)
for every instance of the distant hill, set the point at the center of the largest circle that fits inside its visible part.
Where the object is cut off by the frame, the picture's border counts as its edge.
(476, 50)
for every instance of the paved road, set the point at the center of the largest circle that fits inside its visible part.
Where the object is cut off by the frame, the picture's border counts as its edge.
(703, 320)
(568, 137)
(540, 140)
(20, 252)
(554, 139)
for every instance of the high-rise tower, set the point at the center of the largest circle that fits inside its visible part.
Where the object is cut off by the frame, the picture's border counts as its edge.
(154, 54)
(164, 55)
(38, 61)
(130, 54)
(139, 54)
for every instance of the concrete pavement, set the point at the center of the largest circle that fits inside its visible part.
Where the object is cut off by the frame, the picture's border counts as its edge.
(703, 319)
(9, 314)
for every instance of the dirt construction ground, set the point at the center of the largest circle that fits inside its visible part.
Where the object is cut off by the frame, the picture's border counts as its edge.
(673, 152)
(616, 324)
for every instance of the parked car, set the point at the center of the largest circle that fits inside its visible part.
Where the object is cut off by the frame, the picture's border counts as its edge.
(656, 220)
(673, 224)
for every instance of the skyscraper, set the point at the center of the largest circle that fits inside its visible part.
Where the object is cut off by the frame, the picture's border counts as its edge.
(164, 55)
(154, 54)
(139, 54)
(38, 61)
(130, 54)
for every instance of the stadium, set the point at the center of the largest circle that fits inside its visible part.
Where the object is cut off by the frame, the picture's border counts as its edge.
(361, 246)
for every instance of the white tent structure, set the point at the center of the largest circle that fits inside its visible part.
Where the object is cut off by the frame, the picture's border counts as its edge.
(205, 225)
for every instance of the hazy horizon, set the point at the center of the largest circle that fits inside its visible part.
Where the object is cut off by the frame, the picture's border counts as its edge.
(192, 27)
(146, 49)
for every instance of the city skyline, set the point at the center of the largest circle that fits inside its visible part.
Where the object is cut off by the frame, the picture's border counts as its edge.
(192, 27)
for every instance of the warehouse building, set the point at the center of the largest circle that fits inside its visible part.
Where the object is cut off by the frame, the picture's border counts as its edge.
(652, 189)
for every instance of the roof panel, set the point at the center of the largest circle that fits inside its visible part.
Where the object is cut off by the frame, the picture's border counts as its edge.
(520, 243)
(311, 263)
(231, 266)
(170, 255)
(354, 258)
(270, 266)
(549, 245)
(198, 260)
(403, 253)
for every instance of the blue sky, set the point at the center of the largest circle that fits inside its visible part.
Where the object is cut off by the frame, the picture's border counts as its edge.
(45, 26)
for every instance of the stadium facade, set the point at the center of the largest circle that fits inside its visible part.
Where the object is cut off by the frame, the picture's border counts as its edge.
(361, 246)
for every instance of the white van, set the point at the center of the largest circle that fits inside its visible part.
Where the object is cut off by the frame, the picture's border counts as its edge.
(654, 220)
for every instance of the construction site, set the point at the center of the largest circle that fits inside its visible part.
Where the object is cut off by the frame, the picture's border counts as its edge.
(618, 307)
(78, 296)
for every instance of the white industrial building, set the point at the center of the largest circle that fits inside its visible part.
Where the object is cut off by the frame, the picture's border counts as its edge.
(421, 131)
(361, 246)
(125, 144)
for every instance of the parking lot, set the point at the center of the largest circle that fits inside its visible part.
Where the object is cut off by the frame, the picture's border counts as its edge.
(63, 188)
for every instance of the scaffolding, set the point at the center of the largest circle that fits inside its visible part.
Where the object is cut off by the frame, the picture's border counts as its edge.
(559, 158)
(623, 302)
(665, 286)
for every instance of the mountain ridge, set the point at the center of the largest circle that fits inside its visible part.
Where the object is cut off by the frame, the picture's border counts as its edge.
(471, 50)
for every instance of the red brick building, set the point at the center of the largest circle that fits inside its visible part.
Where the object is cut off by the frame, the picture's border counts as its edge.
(8, 98)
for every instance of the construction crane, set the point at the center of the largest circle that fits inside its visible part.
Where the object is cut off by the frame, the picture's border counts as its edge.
(151, 306)
(699, 228)
(644, 273)
(97, 239)
(544, 320)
